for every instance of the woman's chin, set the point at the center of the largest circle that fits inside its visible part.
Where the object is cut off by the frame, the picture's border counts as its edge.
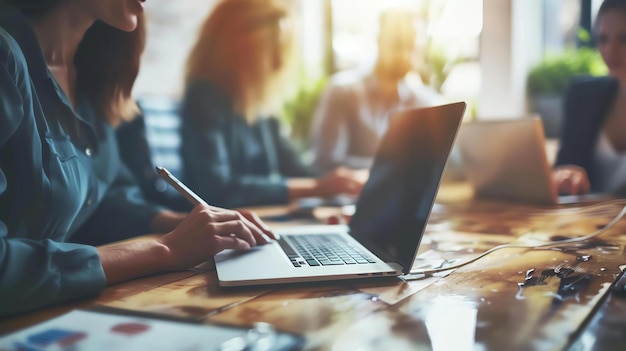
(129, 25)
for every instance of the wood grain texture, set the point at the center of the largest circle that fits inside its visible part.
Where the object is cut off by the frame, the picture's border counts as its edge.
(550, 298)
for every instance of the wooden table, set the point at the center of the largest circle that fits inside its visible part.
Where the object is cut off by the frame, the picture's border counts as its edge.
(512, 299)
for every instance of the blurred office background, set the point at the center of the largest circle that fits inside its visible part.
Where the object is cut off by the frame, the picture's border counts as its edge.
(480, 51)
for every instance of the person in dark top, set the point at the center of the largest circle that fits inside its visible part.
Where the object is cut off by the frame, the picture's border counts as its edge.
(66, 73)
(592, 154)
(234, 153)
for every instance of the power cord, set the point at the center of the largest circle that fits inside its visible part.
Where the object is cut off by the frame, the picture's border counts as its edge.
(429, 272)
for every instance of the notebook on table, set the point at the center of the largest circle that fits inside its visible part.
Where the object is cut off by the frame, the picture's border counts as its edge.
(384, 234)
(507, 159)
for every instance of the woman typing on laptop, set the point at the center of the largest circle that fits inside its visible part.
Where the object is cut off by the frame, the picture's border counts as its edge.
(66, 73)
(592, 155)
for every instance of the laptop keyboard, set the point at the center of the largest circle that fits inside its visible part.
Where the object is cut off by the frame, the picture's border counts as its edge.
(322, 250)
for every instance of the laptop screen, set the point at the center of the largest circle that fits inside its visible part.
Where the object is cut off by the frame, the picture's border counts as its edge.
(394, 206)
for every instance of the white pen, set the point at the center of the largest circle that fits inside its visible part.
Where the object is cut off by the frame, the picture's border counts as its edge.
(188, 194)
(180, 187)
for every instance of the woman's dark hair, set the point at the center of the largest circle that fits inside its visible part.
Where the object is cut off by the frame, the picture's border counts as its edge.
(32, 7)
(107, 61)
(609, 5)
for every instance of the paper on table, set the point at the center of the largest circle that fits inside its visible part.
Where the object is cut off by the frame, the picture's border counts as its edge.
(84, 330)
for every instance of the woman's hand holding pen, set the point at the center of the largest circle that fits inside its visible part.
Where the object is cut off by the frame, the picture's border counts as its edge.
(201, 234)
(208, 230)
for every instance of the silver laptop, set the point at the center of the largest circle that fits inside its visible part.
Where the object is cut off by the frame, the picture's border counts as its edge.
(384, 234)
(507, 159)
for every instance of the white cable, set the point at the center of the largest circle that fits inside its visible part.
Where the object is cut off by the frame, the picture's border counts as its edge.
(598, 232)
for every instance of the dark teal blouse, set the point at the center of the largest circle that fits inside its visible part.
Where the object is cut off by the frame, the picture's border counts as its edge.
(587, 103)
(60, 179)
(229, 162)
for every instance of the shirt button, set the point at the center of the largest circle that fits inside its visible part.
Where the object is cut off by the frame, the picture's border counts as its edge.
(88, 202)
(88, 152)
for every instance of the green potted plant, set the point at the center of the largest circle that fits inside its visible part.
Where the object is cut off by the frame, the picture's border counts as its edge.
(548, 81)
(299, 110)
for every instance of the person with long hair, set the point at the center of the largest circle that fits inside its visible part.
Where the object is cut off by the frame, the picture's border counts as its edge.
(234, 153)
(592, 154)
(66, 72)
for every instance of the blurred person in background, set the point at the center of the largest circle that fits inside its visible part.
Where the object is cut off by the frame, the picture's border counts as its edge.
(592, 154)
(234, 152)
(353, 112)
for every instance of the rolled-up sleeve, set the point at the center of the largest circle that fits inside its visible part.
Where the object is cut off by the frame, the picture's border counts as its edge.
(39, 273)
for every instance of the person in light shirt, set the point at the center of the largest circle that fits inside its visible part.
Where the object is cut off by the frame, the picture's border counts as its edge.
(353, 112)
